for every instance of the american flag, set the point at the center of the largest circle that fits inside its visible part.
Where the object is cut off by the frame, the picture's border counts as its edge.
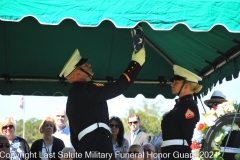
(22, 102)
(137, 37)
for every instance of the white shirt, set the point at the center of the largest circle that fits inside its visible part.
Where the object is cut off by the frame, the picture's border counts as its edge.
(46, 152)
(134, 135)
(64, 135)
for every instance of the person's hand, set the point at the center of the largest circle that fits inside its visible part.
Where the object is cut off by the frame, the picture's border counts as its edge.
(139, 56)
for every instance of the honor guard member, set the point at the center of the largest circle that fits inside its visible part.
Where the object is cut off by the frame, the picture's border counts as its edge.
(87, 108)
(178, 124)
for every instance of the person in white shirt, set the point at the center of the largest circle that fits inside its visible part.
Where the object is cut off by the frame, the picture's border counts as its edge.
(63, 131)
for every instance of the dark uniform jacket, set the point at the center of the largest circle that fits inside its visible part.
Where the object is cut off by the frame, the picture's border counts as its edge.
(87, 105)
(179, 123)
(57, 146)
(140, 139)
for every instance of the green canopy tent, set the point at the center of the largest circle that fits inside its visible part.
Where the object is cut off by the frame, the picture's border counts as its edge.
(38, 37)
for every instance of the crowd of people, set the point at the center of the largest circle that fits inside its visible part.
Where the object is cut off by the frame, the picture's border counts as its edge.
(16, 148)
(55, 143)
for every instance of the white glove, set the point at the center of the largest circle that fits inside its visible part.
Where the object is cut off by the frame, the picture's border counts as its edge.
(139, 56)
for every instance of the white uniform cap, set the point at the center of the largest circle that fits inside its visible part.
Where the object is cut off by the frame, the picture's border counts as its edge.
(71, 64)
(189, 76)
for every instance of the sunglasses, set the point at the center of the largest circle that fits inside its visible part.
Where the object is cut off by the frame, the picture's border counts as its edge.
(7, 145)
(212, 104)
(10, 127)
(112, 125)
(135, 122)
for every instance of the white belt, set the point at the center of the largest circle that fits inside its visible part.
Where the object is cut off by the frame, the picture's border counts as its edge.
(174, 142)
(230, 150)
(92, 128)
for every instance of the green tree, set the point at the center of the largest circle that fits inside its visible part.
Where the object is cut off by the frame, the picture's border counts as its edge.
(150, 116)
(31, 130)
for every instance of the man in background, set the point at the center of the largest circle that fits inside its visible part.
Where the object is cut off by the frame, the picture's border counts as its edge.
(136, 135)
(63, 132)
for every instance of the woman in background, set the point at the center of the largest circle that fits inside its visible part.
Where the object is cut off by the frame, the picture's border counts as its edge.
(48, 147)
(120, 144)
(18, 145)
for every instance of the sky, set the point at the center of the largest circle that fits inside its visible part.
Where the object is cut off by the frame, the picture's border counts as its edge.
(42, 106)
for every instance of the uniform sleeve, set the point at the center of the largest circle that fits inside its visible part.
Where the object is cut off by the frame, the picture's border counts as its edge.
(100, 92)
(74, 139)
(188, 117)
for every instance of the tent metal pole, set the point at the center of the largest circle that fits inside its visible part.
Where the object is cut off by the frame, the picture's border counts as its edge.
(56, 80)
(220, 64)
(164, 56)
